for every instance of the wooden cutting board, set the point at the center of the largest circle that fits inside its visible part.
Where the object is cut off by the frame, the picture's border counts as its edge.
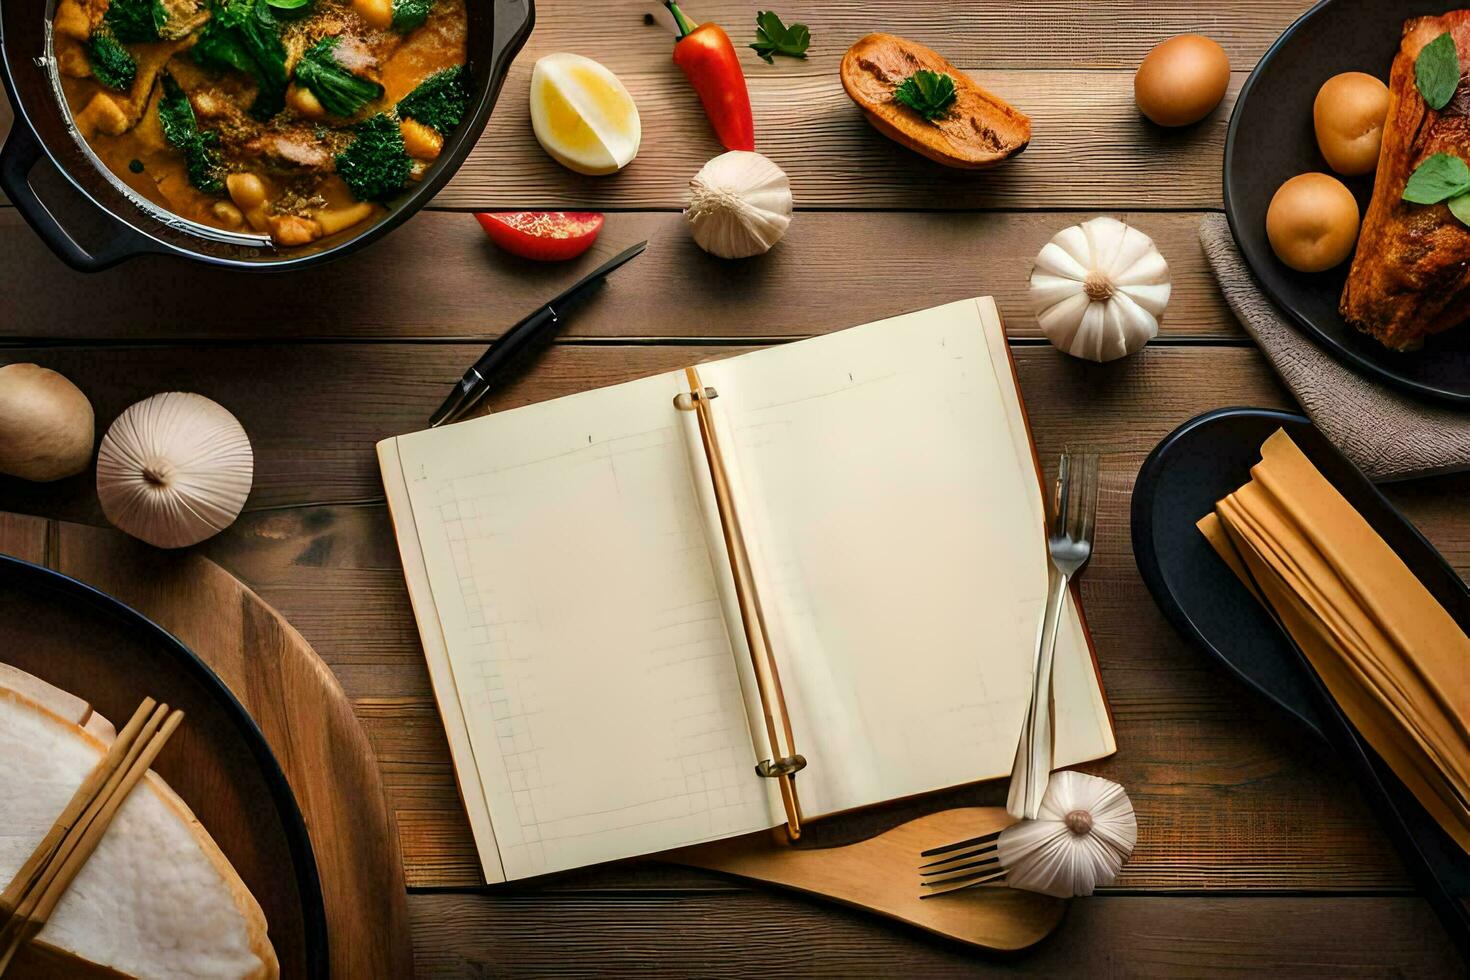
(881, 875)
(295, 700)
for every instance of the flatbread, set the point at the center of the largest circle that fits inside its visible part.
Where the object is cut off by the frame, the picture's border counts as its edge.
(156, 899)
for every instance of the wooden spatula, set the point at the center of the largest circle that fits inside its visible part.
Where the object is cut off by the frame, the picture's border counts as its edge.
(878, 875)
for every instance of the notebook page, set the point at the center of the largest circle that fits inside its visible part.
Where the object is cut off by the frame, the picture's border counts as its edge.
(564, 546)
(895, 526)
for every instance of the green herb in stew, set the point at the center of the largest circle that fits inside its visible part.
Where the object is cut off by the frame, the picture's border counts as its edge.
(181, 128)
(375, 164)
(440, 101)
(112, 64)
(338, 90)
(244, 35)
(408, 14)
(135, 20)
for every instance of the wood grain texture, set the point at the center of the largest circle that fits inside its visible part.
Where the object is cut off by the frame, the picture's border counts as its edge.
(970, 33)
(297, 703)
(1090, 148)
(1106, 937)
(448, 282)
(1227, 795)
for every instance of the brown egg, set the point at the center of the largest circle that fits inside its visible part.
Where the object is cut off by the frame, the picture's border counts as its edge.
(1181, 80)
(1312, 222)
(1348, 115)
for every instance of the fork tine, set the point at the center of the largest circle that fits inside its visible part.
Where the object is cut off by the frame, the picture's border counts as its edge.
(955, 886)
(960, 845)
(1064, 493)
(988, 849)
(985, 859)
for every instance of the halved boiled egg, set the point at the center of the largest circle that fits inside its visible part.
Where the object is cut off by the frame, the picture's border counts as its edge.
(582, 114)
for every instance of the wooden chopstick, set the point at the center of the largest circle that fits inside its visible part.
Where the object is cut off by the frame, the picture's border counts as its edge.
(150, 731)
(85, 793)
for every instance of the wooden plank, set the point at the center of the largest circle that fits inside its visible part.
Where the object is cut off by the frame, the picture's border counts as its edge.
(1051, 34)
(1090, 149)
(439, 277)
(735, 935)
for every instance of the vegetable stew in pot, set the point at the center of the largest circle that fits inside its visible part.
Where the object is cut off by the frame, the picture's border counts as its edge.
(292, 118)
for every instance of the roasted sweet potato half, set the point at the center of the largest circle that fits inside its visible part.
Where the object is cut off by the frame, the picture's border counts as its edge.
(979, 129)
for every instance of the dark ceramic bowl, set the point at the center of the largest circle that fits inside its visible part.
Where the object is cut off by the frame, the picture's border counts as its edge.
(1271, 140)
(92, 221)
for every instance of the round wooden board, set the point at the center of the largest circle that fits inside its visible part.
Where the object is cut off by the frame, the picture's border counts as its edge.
(293, 697)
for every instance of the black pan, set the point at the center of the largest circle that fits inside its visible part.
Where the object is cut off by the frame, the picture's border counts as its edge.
(92, 221)
(1271, 139)
(1202, 461)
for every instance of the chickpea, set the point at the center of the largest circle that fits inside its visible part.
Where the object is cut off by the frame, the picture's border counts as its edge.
(246, 190)
(102, 114)
(305, 102)
(228, 214)
(421, 142)
(377, 13)
(289, 229)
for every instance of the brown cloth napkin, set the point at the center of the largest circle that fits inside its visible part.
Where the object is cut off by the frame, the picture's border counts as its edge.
(1388, 436)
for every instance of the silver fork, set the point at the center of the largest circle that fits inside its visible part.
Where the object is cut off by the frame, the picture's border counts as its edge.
(1069, 539)
(964, 864)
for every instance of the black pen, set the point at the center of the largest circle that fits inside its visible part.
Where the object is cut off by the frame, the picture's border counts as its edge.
(521, 337)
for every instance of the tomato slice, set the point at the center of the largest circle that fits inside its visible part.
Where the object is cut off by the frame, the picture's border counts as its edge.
(543, 236)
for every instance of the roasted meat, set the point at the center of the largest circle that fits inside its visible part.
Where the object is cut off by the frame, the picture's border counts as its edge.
(1410, 276)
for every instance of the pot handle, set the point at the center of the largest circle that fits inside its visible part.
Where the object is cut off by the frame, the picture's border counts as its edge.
(21, 153)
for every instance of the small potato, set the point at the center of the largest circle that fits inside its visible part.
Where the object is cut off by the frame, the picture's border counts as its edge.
(333, 220)
(1312, 222)
(246, 190)
(102, 115)
(1348, 116)
(377, 13)
(421, 142)
(72, 61)
(72, 21)
(305, 102)
(228, 214)
(290, 229)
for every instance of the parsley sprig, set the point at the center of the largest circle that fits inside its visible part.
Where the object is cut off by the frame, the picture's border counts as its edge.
(929, 93)
(772, 37)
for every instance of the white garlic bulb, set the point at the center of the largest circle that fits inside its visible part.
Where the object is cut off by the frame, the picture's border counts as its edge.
(174, 469)
(1083, 833)
(1099, 289)
(741, 205)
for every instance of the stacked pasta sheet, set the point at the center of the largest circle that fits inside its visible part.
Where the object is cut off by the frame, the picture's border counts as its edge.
(1389, 653)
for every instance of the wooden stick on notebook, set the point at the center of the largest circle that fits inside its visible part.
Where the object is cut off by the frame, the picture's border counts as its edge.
(786, 762)
(66, 858)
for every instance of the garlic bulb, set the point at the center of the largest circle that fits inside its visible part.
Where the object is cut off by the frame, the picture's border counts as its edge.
(1099, 289)
(1083, 833)
(741, 205)
(174, 469)
(46, 425)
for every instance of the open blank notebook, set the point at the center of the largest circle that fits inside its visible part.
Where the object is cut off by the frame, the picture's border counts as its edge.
(576, 603)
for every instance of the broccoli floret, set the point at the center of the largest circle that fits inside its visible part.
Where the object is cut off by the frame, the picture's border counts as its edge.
(375, 164)
(135, 20)
(408, 14)
(439, 101)
(244, 35)
(338, 90)
(181, 128)
(112, 64)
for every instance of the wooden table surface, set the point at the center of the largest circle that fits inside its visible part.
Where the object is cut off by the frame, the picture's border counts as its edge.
(1253, 855)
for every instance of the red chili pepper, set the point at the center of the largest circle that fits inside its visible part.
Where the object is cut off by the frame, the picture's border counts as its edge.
(709, 61)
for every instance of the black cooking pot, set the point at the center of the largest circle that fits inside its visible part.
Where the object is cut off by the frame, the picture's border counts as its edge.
(92, 221)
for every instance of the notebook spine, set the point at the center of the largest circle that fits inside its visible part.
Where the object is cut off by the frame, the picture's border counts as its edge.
(785, 762)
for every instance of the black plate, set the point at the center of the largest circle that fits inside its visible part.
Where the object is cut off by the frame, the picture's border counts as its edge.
(1271, 140)
(85, 641)
(1202, 461)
